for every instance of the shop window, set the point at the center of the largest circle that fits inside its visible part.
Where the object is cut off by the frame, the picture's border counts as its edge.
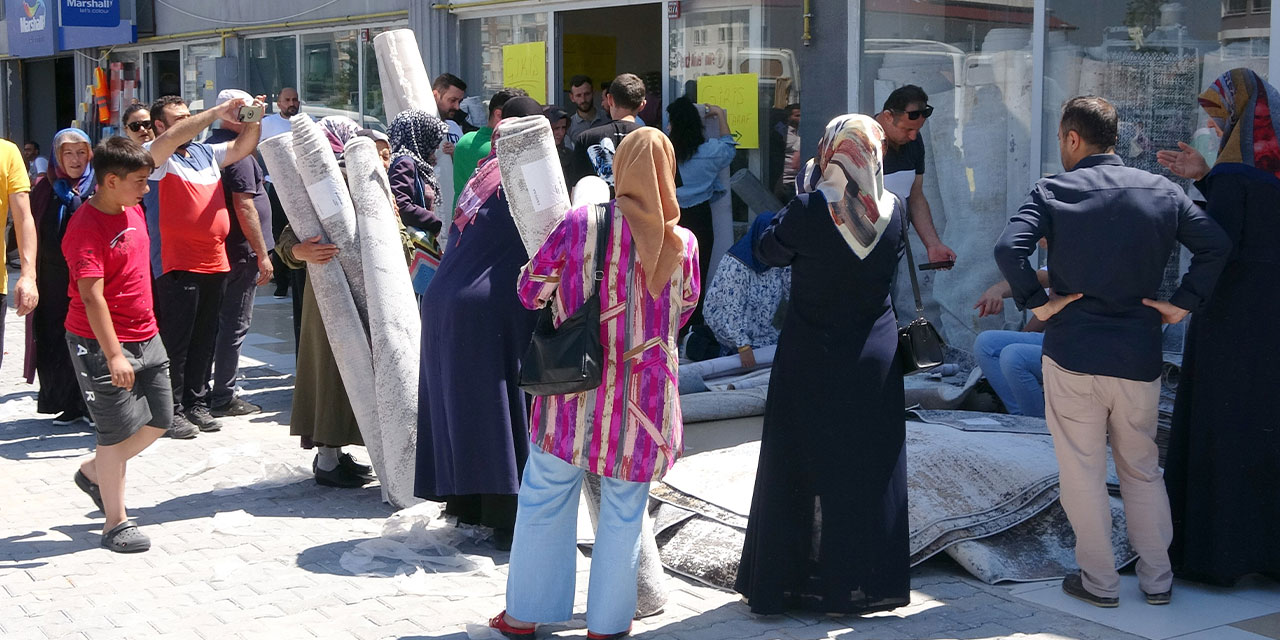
(1262, 6)
(330, 74)
(482, 43)
(975, 65)
(197, 72)
(1234, 7)
(271, 64)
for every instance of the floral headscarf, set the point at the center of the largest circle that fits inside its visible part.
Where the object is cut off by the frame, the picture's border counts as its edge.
(1242, 104)
(417, 134)
(339, 130)
(849, 171)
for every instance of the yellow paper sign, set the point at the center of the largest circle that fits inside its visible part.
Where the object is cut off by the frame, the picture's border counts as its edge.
(525, 66)
(739, 95)
(590, 55)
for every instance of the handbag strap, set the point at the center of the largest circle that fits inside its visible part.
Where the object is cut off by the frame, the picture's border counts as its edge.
(603, 215)
(911, 267)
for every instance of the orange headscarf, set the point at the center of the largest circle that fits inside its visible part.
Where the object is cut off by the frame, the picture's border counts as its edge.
(644, 172)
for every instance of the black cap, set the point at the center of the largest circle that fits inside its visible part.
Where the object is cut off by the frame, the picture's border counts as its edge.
(555, 114)
(520, 107)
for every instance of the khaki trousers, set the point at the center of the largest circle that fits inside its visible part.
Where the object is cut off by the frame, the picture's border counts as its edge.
(1081, 411)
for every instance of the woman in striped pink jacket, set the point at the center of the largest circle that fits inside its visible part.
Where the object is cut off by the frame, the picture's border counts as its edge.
(628, 430)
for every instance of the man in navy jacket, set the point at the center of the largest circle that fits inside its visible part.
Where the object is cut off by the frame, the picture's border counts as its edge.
(1110, 229)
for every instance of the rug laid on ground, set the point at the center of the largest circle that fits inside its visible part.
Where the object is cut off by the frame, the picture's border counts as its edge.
(986, 494)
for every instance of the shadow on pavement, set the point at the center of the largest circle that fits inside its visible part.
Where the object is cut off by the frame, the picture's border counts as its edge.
(20, 439)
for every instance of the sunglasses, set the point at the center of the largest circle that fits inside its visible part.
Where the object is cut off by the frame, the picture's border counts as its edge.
(921, 113)
(139, 125)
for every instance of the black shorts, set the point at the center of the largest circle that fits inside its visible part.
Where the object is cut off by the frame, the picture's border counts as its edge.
(119, 413)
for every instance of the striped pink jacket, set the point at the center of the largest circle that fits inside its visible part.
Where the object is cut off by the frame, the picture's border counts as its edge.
(630, 427)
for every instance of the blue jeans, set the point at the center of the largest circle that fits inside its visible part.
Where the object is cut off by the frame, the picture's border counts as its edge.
(540, 577)
(1011, 362)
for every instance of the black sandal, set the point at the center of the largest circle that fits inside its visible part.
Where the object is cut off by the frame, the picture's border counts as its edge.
(90, 488)
(126, 538)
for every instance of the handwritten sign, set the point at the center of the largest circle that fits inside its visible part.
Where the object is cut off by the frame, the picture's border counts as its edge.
(525, 66)
(739, 96)
(590, 55)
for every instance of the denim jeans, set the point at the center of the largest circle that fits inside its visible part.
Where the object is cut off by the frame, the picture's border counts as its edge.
(1011, 362)
(540, 577)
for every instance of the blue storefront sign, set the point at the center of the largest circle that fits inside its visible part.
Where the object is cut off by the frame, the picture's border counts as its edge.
(31, 26)
(90, 13)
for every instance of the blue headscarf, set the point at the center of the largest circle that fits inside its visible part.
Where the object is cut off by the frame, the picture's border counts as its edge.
(63, 190)
(743, 249)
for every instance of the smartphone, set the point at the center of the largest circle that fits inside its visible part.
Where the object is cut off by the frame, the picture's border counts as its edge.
(944, 264)
(250, 113)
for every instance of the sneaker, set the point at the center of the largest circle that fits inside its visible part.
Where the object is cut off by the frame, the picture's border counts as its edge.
(68, 417)
(1159, 598)
(236, 407)
(200, 415)
(280, 292)
(1073, 585)
(182, 429)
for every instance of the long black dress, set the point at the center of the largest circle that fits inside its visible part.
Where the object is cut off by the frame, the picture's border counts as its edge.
(834, 430)
(1223, 467)
(473, 423)
(59, 391)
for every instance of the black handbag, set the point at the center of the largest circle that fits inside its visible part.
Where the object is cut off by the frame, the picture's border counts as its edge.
(920, 347)
(569, 358)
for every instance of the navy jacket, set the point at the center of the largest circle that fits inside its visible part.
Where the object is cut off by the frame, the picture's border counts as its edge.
(1111, 229)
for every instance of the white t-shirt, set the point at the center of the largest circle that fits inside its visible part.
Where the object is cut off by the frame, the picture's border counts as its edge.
(274, 125)
(38, 166)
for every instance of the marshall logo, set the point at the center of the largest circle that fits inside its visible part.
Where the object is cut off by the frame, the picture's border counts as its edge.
(34, 18)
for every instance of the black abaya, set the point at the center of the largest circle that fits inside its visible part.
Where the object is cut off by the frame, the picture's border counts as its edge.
(59, 391)
(832, 454)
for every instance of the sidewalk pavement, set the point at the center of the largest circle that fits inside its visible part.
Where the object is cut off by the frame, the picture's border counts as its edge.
(245, 545)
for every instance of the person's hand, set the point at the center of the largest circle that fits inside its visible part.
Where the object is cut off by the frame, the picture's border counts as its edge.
(121, 372)
(1055, 304)
(260, 101)
(26, 294)
(447, 147)
(266, 270)
(1186, 162)
(940, 253)
(1170, 313)
(990, 303)
(715, 111)
(313, 251)
(230, 110)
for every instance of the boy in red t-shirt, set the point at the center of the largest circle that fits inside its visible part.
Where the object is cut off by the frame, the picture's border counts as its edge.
(122, 367)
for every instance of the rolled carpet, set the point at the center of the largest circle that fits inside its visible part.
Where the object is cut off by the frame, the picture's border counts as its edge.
(531, 178)
(347, 336)
(406, 85)
(332, 202)
(395, 328)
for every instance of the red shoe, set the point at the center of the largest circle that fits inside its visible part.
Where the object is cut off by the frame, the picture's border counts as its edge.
(499, 623)
(612, 636)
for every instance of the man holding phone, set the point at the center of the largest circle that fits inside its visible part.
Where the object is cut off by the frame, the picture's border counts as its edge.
(194, 224)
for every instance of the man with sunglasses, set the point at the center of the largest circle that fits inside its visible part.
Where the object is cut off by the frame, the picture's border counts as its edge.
(904, 113)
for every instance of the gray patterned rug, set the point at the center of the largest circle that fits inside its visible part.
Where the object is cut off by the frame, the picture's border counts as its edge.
(982, 488)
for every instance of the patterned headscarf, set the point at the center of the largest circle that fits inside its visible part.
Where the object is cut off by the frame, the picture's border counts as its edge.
(417, 134)
(849, 171)
(84, 184)
(339, 130)
(1241, 104)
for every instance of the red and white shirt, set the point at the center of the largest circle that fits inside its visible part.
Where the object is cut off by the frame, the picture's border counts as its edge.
(194, 220)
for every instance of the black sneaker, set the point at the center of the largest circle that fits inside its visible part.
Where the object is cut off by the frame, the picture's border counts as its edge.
(67, 418)
(236, 407)
(280, 293)
(1159, 598)
(182, 429)
(200, 415)
(1073, 586)
(362, 470)
(339, 477)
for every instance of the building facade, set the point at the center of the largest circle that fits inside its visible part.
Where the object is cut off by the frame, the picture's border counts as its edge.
(997, 72)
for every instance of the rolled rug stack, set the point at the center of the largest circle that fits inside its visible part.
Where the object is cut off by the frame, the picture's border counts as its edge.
(532, 178)
(331, 201)
(395, 329)
(346, 330)
(406, 85)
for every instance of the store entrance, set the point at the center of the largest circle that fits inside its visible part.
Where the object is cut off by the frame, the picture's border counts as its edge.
(49, 88)
(602, 43)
